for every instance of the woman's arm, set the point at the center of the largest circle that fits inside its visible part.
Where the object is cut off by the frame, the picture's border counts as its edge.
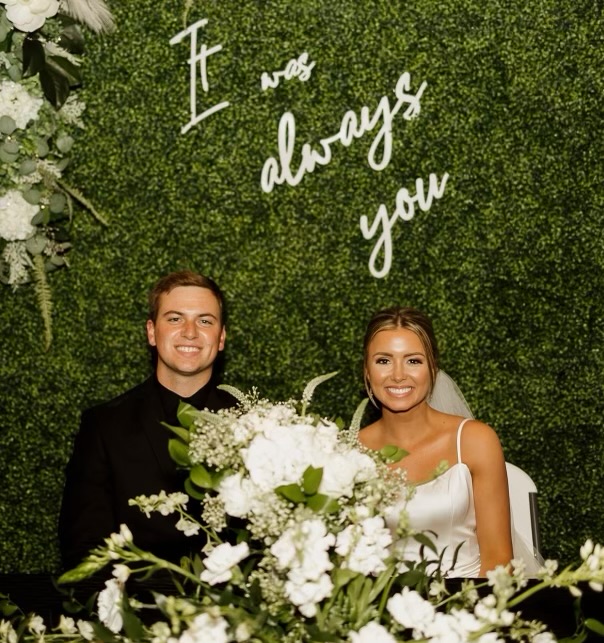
(482, 452)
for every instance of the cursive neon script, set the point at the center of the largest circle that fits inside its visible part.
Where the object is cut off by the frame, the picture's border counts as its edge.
(404, 210)
(278, 171)
(296, 67)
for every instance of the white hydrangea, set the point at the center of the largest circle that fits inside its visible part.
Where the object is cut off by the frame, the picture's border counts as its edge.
(15, 216)
(29, 15)
(18, 103)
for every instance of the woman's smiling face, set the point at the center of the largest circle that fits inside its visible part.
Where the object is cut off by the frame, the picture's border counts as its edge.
(397, 369)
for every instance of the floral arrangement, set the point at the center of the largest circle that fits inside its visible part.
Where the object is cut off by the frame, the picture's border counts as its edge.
(41, 46)
(297, 548)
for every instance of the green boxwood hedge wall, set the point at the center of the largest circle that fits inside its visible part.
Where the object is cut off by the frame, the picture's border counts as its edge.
(508, 261)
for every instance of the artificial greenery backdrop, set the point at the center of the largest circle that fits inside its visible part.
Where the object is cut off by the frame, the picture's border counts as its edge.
(508, 262)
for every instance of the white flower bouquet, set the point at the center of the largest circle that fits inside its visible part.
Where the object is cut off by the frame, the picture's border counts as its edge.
(40, 115)
(293, 511)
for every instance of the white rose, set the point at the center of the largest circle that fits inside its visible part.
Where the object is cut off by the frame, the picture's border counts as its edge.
(222, 559)
(29, 15)
(15, 216)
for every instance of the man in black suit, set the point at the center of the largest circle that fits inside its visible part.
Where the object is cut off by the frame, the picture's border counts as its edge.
(121, 450)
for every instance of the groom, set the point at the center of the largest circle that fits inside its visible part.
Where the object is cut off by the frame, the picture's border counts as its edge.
(121, 450)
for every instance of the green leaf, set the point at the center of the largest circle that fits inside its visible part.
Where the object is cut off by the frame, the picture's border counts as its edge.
(133, 627)
(182, 433)
(179, 452)
(201, 477)
(321, 503)
(186, 414)
(104, 634)
(33, 56)
(64, 67)
(422, 539)
(392, 453)
(193, 491)
(71, 39)
(311, 480)
(55, 86)
(595, 626)
(291, 492)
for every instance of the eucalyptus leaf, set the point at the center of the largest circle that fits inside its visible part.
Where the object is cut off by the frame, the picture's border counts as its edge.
(179, 452)
(27, 166)
(11, 146)
(311, 480)
(64, 143)
(14, 73)
(57, 203)
(291, 492)
(201, 477)
(7, 157)
(58, 261)
(32, 196)
(7, 124)
(42, 148)
(36, 245)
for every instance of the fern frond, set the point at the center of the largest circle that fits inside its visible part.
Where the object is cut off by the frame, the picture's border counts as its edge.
(44, 298)
(80, 198)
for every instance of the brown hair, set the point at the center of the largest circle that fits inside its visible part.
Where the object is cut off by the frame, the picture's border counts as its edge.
(409, 319)
(183, 278)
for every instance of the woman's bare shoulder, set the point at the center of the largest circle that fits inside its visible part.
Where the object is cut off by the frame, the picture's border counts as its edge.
(370, 436)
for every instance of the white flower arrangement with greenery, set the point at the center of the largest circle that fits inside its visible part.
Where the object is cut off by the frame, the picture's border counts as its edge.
(41, 45)
(309, 558)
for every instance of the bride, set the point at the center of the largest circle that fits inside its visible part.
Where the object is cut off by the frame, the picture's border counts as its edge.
(467, 505)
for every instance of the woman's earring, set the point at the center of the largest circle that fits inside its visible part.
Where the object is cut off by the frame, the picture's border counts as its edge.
(370, 393)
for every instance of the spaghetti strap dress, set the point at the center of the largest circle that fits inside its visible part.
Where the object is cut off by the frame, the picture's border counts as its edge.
(444, 507)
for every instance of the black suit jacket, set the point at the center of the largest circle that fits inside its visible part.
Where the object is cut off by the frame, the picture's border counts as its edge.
(120, 452)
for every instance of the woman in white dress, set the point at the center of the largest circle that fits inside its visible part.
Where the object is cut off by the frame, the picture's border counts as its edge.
(467, 505)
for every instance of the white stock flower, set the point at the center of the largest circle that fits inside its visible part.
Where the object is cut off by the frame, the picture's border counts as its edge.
(219, 564)
(372, 633)
(188, 527)
(543, 637)
(307, 594)
(67, 625)
(36, 625)
(109, 605)
(121, 572)
(7, 632)
(410, 610)
(15, 216)
(365, 546)
(206, 628)
(18, 103)
(86, 630)
(29, 15)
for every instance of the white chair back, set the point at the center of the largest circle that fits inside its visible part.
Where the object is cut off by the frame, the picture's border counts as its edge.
(523, 506)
